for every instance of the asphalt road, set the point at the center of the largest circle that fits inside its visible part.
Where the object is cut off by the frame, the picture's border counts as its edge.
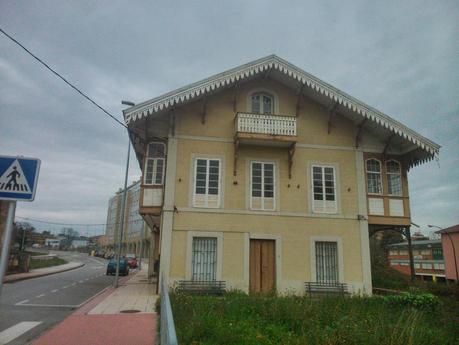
(30, 307)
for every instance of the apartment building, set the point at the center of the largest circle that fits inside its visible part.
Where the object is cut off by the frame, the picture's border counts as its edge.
(136, 237)
(265, 177)
(428, 258)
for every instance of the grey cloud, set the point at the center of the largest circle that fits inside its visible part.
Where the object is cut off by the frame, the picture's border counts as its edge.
(400, 57)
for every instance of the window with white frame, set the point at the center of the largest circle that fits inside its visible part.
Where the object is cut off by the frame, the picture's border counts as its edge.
(439, 266)
(155, 164)
(204, 259)
(324, 198)
(327, 270)
(426, 266)
(417, 265)
(262, 186)
(206, 183)
(373, 167)
(262, 103)
(394, 177)
(393, 252)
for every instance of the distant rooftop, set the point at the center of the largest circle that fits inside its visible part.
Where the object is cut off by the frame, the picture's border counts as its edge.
(451, 229)
(416, 243)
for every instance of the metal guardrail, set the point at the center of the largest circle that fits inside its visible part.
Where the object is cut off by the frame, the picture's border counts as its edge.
(167, 332)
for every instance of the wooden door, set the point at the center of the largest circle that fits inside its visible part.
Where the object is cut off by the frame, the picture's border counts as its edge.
(262, 265)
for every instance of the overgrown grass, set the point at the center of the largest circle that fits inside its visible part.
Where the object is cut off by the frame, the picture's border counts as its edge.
(34, 264)
(237, 318)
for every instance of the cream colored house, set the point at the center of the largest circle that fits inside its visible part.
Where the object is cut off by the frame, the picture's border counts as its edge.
(265, 177)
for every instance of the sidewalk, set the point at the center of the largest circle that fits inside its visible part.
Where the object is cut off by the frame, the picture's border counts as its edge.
(39, 272)
(116, 317)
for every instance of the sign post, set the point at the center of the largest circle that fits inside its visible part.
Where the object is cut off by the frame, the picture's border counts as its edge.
(18, 182)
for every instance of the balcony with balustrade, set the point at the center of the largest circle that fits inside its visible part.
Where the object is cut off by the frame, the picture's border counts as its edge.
(265, 130)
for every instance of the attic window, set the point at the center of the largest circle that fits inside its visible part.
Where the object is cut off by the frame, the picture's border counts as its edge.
(262, 103)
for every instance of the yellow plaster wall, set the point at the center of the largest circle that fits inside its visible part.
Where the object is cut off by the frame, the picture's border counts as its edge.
(293, 222)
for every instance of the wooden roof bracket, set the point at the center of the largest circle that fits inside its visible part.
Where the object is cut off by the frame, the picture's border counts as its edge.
(172, 123)
(332, 112)
(236, 89)
(358, 136)
(267, 73)
(298, 102)
(386, 147)
(203, 110)
(236, 153)
(291, 152)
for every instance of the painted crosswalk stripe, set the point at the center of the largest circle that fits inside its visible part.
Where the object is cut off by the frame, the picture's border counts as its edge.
(55, 290)
(39, 296)
(17, 330)
(22, 302)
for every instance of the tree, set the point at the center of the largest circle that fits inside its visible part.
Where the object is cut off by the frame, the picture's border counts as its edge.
(69, 233)
(21, 230)
(379, 242)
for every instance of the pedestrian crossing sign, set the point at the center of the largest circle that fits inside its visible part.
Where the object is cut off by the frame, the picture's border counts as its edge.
(18, 178)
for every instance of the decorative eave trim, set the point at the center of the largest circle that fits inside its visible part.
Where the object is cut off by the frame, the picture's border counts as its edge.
(237, 74)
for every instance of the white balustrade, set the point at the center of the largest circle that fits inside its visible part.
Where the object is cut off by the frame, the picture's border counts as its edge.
(266, 124)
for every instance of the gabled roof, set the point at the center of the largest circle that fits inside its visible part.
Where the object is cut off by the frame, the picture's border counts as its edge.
(288, 71)
(451, 229)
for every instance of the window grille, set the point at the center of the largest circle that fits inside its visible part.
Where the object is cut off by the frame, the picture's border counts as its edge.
(327, 262)
(204, 260)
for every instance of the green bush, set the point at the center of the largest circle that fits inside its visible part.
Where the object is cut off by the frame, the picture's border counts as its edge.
(424, 301)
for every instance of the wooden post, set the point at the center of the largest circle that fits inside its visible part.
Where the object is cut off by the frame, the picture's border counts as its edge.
(410, 253)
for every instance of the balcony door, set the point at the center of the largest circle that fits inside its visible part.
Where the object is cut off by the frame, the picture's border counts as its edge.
(262, 265)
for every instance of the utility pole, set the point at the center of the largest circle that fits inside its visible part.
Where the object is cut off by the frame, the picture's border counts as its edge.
(121, 228)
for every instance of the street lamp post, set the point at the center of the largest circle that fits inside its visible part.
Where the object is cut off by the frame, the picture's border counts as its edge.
(123, 206)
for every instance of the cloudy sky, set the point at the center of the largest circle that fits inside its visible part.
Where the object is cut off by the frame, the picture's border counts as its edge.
(398, 56)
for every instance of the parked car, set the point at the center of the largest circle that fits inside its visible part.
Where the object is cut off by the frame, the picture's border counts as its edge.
(132, 260)
(124, 268)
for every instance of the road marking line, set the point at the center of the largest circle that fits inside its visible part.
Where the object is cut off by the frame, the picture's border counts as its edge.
(65, 287)
(49, 305)
(55, 290)
(39, 296)
(22, 302)
(80, 281)
(17, 330)
(74, 284)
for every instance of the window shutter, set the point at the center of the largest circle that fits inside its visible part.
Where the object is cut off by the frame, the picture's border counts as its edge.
(323, 189)
(207, 183)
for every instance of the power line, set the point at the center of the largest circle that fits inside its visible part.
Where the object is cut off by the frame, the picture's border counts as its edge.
(75, 224)
(61, 77)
